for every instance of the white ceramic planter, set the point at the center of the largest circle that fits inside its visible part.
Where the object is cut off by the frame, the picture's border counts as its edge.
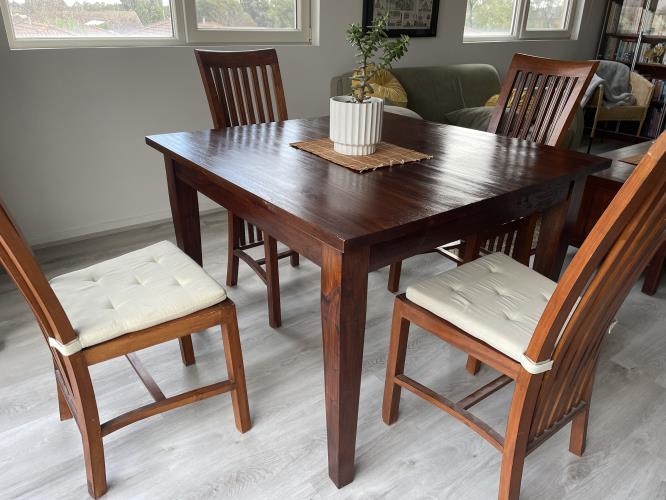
(356, 128)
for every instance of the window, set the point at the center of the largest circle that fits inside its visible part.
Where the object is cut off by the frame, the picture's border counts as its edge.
(518, 19)
(67, 23)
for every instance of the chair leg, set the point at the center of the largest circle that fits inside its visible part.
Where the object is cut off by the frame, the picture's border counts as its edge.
(63, 407)
(471, 248)
(395, 365)
(187, 350)
(579, 432)
(272, 282)
(91, 437)
(394, 277)
(511, 474)
(294, 259)
(234, 357)
(233, 233)
(473, 365)
(93, 454)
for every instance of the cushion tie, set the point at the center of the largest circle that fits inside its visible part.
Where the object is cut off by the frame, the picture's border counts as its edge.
(67, 349)
(535, 368)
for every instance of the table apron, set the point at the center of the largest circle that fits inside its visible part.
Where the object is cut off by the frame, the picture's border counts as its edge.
(493, 214)
(255, 213)
(442, 229)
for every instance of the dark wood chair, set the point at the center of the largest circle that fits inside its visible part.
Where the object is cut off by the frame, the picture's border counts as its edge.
(549, 93)
(543, 336)
(245, 88)
(113, 309)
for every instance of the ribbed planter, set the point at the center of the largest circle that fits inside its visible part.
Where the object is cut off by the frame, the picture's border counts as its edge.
(356, 128)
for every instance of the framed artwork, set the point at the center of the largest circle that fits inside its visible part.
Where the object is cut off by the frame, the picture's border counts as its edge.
(408, 17)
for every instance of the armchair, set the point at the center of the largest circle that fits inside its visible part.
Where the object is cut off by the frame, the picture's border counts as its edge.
(641, 89)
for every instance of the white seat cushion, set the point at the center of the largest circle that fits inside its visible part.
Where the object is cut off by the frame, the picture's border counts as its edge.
(494, 299)
(132, 292)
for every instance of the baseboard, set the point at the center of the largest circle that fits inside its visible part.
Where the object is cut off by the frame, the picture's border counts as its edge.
(110, 227)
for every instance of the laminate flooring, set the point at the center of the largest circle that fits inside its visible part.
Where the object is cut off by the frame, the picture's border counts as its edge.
(195, 451)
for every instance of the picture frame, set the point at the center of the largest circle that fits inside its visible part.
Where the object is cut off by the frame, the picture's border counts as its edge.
(415, 18)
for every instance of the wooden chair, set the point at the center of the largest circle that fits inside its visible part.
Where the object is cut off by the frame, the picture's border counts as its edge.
(542, 335)
(113, 309)
(245, 88)
(549, 93)
(654, 269)
(641, 88)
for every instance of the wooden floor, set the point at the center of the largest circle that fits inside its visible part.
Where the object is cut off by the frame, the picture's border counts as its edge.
(196, 452)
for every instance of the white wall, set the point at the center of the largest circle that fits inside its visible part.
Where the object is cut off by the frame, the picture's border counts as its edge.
(74, 161)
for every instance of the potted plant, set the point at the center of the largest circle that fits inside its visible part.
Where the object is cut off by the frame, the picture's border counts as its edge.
(356, 119)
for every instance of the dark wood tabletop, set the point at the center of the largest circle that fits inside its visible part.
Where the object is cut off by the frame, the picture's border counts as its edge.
(620, 170)
(350, 223)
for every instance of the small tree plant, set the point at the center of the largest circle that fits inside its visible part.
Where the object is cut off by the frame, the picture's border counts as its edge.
(369, 41)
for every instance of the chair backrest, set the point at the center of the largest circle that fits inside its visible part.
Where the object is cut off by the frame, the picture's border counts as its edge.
(22, 267)
(242, 88)
(641, 89)
(593, 287)
(539, 98)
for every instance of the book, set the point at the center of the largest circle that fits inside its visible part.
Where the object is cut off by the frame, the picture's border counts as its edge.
(630, 17)
(658, 25)
(610, 49)
(613, 17)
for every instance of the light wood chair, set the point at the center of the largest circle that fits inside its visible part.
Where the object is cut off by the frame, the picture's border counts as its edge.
(113, 309)
(245, 88)
(549, 93)
(654, 269)
(543, 336)
(641, 89)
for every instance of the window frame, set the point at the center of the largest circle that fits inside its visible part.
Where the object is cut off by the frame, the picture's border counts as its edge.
(185, 32)
(301, 34)
(519, 29)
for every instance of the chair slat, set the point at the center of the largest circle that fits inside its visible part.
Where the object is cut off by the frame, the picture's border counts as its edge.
(268, 96)
(260, 99)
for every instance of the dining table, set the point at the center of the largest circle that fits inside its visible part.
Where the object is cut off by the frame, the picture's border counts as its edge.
(350, 223)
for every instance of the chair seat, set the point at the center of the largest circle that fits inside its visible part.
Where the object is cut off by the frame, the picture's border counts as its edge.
(495, 299)
(134, 291)
(621, 112)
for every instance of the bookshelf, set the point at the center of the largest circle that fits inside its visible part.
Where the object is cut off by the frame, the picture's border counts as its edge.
(635, 34)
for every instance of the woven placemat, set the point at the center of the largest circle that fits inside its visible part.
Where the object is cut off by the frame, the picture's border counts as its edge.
(384, 156)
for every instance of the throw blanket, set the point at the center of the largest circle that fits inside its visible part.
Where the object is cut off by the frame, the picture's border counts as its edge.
(614, 76)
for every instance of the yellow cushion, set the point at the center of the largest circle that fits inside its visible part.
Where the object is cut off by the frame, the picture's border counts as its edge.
(492, 101)
(385, 86)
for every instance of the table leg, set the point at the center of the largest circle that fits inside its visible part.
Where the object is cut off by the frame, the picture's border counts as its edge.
(184, 212)
(344, 291)
(557, 225)
(185, 215)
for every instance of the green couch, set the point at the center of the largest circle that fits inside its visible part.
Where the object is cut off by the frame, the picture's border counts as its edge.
(453, 94)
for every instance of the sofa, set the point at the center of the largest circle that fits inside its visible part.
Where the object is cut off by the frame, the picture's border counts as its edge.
(454, 95)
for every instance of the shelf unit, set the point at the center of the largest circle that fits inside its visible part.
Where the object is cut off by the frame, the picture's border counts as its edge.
(635, 34)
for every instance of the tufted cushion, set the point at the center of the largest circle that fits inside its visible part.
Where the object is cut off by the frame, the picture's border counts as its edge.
(134, 291)
(494, 298)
